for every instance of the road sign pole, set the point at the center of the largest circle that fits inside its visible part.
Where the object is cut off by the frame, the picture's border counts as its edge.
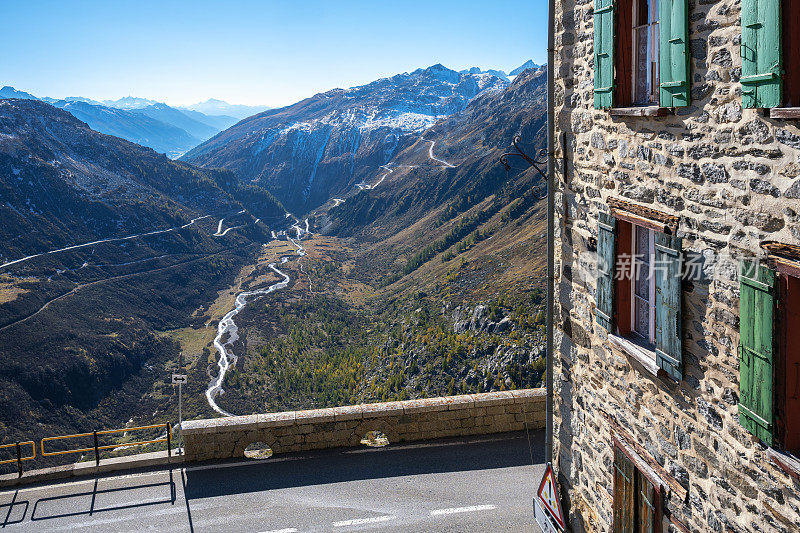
(180, 409)
(179, 380)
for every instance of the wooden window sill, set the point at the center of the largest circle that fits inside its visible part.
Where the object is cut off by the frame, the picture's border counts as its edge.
(785, 461)
(645, 357)
(644, 111)
(784, 112)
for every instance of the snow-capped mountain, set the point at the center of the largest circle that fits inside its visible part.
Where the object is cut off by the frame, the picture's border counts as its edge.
(129, 102)
(10, 92)
(330, 142)
(213, 106)
(52, 101)
(528, 64)
(491, 72)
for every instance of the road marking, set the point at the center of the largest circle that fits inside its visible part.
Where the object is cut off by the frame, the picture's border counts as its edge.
(360, 521)
(285, 530)
(454, 510)
(96, 521)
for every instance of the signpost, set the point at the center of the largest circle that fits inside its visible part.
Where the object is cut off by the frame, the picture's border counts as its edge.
(179, 380)
(547, 505)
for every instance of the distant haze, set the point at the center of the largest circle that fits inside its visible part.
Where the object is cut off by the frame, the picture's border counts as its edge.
(254, 53)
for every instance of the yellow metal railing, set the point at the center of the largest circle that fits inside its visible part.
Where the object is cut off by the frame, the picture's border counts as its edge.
(20, 458)
(97, 448)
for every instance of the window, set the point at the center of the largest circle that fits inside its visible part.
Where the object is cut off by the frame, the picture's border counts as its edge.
(636, 499)
(639, 292)
(641, 56)
(789, 376)
(791, 48)
(769, 352)
(643, 286)
(769, 50)
(645, 52)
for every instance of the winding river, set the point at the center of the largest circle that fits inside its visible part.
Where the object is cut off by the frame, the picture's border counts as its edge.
(228, 331)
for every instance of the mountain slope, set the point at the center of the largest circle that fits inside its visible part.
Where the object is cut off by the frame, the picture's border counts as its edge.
(163, 128)
(104, 245)
(326, 144)
(132, 126)
(179, 119)
(62, 183)
(470, 142)
(529, 64)
(429, 282)
(10, 92)
(218, 122)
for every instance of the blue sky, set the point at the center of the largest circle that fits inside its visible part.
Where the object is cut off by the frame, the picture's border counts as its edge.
(253, 52)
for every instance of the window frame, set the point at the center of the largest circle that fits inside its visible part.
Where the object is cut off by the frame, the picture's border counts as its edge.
(651, 282)
(789, 105)
(624, 334)
(790, 29)
(653, 27)
(787, 274)
(640, 470)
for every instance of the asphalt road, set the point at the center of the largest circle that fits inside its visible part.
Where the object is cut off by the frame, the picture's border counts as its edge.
(458, 485)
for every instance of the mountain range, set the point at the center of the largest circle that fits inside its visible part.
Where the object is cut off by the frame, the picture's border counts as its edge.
(327, 144)
(212, 106)
(62, 182)
(166, 129)
(423, 256)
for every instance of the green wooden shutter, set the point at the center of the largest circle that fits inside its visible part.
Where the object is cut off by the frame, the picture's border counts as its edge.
(669, 298)
(761, 53)
(606, 263)
(673, 53)
(756, 349)
(603, 54)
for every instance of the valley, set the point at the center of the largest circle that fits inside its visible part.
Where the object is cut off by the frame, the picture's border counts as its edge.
(414, 270)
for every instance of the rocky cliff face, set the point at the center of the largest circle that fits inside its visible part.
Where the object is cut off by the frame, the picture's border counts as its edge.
(325, 145)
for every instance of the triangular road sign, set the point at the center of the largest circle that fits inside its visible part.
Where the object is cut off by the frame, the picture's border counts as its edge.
(548, 496)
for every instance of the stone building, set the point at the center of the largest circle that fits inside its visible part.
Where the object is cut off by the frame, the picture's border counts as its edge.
(677, 368)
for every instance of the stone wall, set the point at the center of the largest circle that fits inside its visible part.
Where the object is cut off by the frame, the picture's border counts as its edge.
(731, 176)
(411, 420)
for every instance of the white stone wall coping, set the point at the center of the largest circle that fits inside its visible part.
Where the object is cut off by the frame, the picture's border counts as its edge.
(362, 411)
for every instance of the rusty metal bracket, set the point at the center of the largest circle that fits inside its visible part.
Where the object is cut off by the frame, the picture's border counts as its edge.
(536, 162)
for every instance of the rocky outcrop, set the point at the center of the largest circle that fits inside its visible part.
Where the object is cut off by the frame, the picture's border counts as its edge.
(478, 320)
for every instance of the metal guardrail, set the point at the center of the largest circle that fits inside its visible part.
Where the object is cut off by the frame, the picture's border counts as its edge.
(97, 448)
(20, 458)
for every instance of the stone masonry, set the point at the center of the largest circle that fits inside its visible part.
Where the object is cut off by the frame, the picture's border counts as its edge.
(731, 176)
(410, 420)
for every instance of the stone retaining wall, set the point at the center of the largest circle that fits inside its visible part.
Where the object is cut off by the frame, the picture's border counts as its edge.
(411, 420)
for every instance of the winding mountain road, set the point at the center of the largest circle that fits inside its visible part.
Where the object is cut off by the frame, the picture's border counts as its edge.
(110, 239)
(434, 158)
(113, 278)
